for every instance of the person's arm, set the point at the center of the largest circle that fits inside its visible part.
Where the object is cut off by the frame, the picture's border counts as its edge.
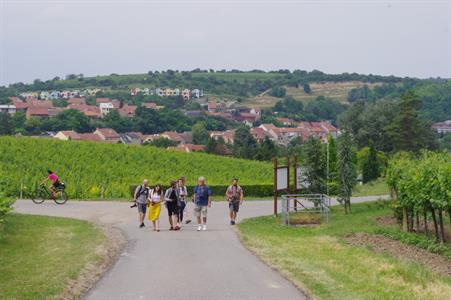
(241, 197)
(166, 195)
(45, 180)
(194, 194)
(136, 193)
(149, 197)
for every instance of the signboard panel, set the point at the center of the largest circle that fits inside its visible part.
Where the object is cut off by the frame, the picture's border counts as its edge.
(282, 178)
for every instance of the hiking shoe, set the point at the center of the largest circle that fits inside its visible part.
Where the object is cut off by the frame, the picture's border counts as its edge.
(142, 225)
(232, 222)
(199, 228)
(187, 221)
(204, 227)
(172, 228)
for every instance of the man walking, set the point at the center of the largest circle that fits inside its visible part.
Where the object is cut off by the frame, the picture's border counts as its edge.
(202, 200)
(235, 196)
(141, 197)
(172, 198)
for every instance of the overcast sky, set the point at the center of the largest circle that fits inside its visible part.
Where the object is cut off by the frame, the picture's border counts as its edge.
(43, 39)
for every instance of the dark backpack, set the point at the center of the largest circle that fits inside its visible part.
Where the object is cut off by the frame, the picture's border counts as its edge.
(141, 191)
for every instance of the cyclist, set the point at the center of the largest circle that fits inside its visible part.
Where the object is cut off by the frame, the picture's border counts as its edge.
(55, 182)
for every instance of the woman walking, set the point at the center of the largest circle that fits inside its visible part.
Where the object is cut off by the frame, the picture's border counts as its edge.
(183, 192)
(155, 199)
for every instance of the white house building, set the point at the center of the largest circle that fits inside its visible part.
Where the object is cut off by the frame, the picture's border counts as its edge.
(10, 109)
(105, 108)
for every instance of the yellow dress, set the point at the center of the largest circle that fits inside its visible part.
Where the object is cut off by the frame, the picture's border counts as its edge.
(155, 208)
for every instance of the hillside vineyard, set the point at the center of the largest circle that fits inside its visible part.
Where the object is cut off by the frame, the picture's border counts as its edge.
(93, 170)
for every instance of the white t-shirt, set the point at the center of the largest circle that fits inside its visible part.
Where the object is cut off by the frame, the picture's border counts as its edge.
(183, 191)
(155, 197)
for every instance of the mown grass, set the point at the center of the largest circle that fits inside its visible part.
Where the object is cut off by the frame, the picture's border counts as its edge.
(38, 255)
(374, 188)
(321, 263)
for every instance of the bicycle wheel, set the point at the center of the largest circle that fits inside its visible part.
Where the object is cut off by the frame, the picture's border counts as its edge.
(38, 196)
(61, 198)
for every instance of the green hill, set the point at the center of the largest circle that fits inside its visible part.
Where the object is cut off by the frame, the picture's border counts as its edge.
(88, 167)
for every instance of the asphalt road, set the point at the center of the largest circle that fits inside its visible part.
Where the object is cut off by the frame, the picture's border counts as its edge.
(186, 264)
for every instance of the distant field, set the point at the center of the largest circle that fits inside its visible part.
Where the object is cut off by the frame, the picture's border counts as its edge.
(240, 77)
(335, 90)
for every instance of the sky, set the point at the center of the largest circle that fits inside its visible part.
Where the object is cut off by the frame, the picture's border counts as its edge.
(44, 39)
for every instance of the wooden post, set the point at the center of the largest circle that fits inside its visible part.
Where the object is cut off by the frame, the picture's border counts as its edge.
(295, 186)
(275, 186)
(288, 183)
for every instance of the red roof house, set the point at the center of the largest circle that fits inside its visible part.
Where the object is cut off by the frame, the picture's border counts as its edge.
(107, 134)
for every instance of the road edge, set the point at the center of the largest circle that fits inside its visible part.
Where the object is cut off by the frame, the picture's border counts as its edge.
(302, 289)
(91, 273)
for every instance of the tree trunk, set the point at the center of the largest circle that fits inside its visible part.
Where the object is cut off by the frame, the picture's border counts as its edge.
(434, 218)
(417, 217)
(411, 217)
(405, 225)
(425, 216)
(449, 214)
(442, 231)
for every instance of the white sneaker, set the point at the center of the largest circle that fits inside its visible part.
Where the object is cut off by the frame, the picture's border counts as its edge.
(204, 227)
(199, 228)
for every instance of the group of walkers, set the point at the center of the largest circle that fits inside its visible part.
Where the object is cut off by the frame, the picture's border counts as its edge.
(175, 199)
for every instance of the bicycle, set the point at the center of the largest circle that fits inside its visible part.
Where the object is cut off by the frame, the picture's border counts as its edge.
(42, 193)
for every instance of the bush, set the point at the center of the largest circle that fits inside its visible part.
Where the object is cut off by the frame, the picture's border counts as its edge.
(5, 207)
(264, 190)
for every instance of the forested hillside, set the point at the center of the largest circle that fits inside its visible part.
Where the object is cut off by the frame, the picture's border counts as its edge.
(88, 168)
(259, 89)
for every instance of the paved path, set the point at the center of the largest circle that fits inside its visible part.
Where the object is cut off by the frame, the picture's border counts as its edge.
(178, 265)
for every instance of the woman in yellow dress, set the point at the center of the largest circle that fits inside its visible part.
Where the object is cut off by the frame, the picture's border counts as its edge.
(155, 199)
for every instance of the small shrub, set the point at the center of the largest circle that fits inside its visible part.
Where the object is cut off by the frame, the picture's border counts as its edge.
(5, 207)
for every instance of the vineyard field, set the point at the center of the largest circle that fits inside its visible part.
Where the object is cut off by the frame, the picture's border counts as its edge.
(98, 170)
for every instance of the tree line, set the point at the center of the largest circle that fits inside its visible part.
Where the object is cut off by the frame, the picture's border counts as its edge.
(147, 121)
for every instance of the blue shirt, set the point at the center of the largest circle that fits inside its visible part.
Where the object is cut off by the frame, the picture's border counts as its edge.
(201, 194)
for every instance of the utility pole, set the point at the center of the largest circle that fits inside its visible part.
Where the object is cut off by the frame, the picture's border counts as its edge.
(327, 168)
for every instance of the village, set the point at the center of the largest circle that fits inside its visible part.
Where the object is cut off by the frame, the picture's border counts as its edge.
(40, 105)
(251, 117)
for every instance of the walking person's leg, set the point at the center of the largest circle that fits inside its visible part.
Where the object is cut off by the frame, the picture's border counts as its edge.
(157, 217)
(181, 210)
(197, 213)
(186, 217)
(141, 214)
(175, 219)
(204, 217)
(170, 223)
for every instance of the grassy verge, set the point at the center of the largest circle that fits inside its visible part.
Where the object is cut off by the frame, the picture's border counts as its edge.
(318, 260)
(375, 188)
(38, 255)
